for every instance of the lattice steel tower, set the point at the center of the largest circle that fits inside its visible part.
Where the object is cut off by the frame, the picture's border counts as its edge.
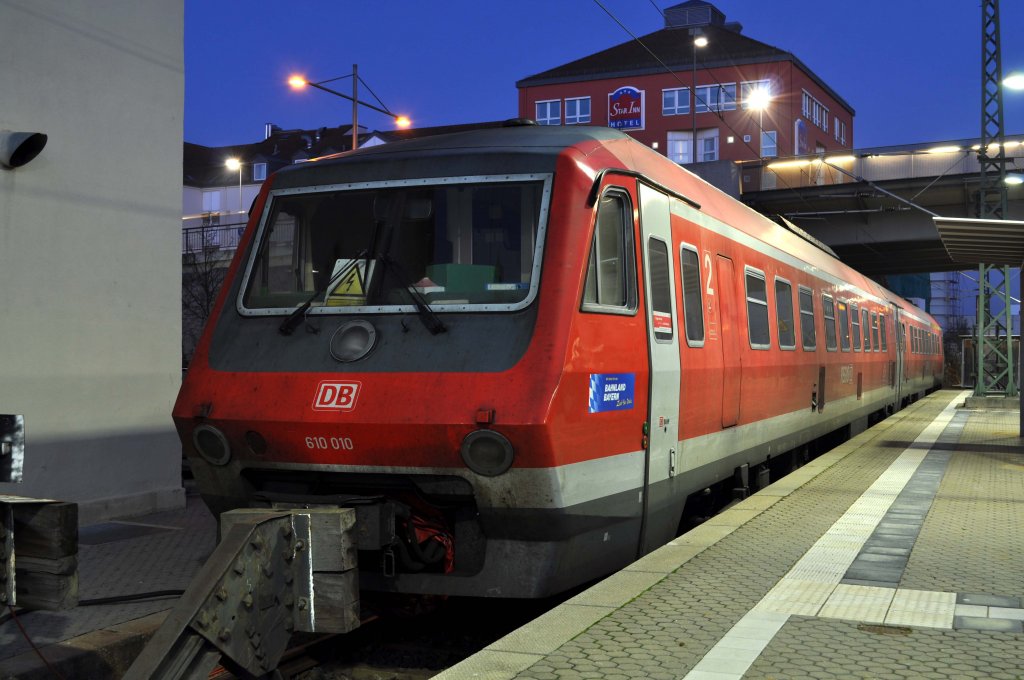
(995, 326)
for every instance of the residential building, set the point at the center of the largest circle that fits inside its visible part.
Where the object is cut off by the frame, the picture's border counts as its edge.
(741, 99)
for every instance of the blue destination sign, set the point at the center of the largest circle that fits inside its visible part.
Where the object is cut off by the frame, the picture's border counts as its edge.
(611, 391)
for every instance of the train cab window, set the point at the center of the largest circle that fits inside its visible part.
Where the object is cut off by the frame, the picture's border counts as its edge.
(807, 332)
(757, 309)
(611, 272)
(866, 325)
(784, 314)
(855, 323)
(844, 326)
(878, 326)
(458, 244)
(660, 277)
(693, 305)
(829, 312)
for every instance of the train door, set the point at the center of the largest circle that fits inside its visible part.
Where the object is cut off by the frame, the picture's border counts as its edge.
(663, 344)
(901, 342)
(730, 341)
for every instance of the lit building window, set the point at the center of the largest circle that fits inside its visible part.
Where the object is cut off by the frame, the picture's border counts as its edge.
(679, 147)
(549, 112)
(211, 201)
(715, 98)
(769, 144)
(815, 111)
(577, 111)
(749, 87)
(259, 172)
(707, 145)
(675, 102)
(840, 131)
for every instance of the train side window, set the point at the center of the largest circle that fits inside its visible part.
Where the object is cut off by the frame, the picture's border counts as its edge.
(784, 313)
(855, 322)
(693, 304)
(660, 276)
(757, 309)
(807, 333)
(829, 312)
(844, 326)
(878, 322)
(611, 272)
(866, 325)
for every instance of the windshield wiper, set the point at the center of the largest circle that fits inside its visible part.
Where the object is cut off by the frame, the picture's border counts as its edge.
(288, 326)
(427, 315)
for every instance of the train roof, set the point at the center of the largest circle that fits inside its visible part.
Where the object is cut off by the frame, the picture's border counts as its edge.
(514, 138)
(525, 148)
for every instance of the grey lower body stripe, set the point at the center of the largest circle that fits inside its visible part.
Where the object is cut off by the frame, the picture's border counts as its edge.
(883, 559)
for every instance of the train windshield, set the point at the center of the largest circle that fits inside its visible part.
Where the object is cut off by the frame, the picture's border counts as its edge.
(458, 244)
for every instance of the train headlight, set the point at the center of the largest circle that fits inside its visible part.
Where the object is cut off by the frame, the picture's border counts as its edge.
(211, 444)
(487, 453)
(353, 341)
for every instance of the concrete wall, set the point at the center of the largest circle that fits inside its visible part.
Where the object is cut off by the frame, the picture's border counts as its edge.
(90, 262)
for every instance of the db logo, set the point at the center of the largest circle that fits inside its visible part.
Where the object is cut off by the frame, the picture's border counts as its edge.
(336, 396)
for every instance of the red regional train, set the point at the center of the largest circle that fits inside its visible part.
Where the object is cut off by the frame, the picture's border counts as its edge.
(517, 352)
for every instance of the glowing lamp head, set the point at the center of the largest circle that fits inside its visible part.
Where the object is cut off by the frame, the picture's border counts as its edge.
(700, 41)
(297, 82)
(1014, 179)
(1014, 81)
(402, 121)
(233, 164)
(759, 99)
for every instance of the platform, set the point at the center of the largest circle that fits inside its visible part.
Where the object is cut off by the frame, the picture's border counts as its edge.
(898, 554)
(117, 561)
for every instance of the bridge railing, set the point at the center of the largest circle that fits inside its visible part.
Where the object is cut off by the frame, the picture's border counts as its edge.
(874, 165)
(211, 238)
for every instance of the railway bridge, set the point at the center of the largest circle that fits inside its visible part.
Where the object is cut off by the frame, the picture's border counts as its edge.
(872, 206)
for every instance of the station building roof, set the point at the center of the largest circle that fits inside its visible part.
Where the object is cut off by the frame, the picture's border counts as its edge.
(672, 47)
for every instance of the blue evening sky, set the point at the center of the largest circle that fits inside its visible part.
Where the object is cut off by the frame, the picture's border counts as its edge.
(911, 69)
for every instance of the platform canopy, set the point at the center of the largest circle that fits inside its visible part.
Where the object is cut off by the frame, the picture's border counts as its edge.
(974, 241)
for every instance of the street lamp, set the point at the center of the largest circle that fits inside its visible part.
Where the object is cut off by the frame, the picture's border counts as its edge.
(235, 164)
(1014, 81)
(298, 82)
(758, 100)
(699, 40)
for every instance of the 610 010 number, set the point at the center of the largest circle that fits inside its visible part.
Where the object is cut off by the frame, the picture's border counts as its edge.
(329, 443)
